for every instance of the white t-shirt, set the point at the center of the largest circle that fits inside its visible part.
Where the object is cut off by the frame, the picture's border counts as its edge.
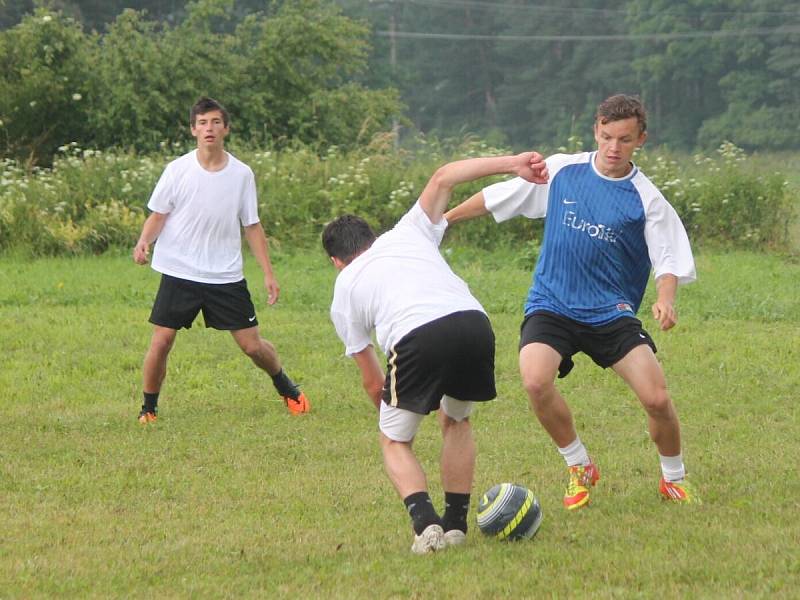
(399, 284)
(202, 238)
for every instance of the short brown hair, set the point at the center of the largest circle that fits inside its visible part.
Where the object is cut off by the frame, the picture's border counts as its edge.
(619, 107)
(346, 237)
(206, 105)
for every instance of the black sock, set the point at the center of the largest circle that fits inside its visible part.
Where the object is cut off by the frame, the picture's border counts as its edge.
(150, 402)
(421, 509)
(456, 507)
(285, 386)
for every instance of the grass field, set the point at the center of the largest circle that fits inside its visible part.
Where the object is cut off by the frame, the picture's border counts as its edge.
(227, 496)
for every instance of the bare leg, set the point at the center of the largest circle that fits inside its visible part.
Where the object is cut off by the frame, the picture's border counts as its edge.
(402, 467)
(538, 365)
(642, 372)
(155, 361)
(458, 454)
(260, 351)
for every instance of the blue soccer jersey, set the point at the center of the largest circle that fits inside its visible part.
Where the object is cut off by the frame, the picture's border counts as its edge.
(602, 236)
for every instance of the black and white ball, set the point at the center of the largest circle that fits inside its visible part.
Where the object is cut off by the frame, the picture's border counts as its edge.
(509, 512)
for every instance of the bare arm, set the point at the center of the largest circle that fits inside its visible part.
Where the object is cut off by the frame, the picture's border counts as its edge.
(664, 307)
(473, 207)
(254, 234)
(372, 376)
(150, 230)
(528, 165)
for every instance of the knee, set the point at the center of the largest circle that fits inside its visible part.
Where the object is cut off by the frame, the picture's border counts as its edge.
(161, 345)
(539, 391)
(252, 348)
(657, 402)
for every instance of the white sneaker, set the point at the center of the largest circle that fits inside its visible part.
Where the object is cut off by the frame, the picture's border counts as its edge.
(430, 540)
(454, 537)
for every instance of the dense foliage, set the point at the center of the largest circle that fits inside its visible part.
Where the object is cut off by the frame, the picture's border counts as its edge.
(90, 201)
(284, 76)
(709, 70)
(324, 71)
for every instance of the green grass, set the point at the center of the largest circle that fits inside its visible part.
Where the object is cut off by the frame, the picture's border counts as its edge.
(229, 496)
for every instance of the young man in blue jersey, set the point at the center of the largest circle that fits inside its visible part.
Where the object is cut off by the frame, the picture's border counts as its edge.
(606, 227)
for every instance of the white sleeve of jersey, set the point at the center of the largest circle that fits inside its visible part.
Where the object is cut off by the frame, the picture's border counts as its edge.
(352, 334)
(162, 200)
(355, 334)
(248, 212)
(667, 242)
(417, 222)
(517, 197)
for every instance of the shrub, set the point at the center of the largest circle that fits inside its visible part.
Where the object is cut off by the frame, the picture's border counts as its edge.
(90, 200)
(722, 202)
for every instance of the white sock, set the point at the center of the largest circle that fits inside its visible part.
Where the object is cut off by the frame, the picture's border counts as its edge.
(575, 453)
(672, 468)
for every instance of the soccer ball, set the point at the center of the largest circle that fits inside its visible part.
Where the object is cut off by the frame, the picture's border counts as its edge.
(509, 512)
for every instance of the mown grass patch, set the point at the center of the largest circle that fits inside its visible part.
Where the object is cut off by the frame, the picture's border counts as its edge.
(229, 496)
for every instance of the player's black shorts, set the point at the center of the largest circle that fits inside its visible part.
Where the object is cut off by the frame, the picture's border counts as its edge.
(605, 344)
(225, 305)
(452, 355)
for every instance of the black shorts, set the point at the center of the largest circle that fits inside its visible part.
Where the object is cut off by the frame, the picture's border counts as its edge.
(604, 344)
(225, 305)
(452, 355)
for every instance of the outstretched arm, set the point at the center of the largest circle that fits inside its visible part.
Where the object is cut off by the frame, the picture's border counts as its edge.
(473, 207)
(528, 165)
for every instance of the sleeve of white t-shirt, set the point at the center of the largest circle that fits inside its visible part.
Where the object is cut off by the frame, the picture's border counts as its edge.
(355, 334)
(417, 222)
(248, 213)
(162, 200)
(517, 197)
(667, 241)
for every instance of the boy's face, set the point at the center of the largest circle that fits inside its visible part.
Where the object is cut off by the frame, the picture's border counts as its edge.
(616, 142)
(210, 130)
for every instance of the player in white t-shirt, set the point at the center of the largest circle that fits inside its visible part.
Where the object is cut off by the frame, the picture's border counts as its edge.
(436, 336)
(200, 205)
(606, 228)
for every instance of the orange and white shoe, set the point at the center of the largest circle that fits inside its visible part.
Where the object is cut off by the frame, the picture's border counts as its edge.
(297, 406)
(678, 491)
(581, 478)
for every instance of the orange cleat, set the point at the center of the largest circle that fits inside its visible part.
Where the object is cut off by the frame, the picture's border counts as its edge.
(146, 417)
(677, 491)
(297, 406)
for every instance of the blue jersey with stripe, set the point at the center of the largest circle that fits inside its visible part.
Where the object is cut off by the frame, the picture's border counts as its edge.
(599, 237)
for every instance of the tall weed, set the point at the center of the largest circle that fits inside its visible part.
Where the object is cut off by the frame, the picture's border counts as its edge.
(90, 201)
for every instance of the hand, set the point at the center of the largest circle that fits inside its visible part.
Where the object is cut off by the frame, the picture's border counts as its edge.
(141, 252)
(273, 289)
(531, 167)
(665, 314)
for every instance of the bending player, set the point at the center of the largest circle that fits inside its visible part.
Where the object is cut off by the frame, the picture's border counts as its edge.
(436, 336)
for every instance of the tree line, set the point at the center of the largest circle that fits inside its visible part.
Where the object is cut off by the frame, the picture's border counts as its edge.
(335, 72)
(288, 75)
